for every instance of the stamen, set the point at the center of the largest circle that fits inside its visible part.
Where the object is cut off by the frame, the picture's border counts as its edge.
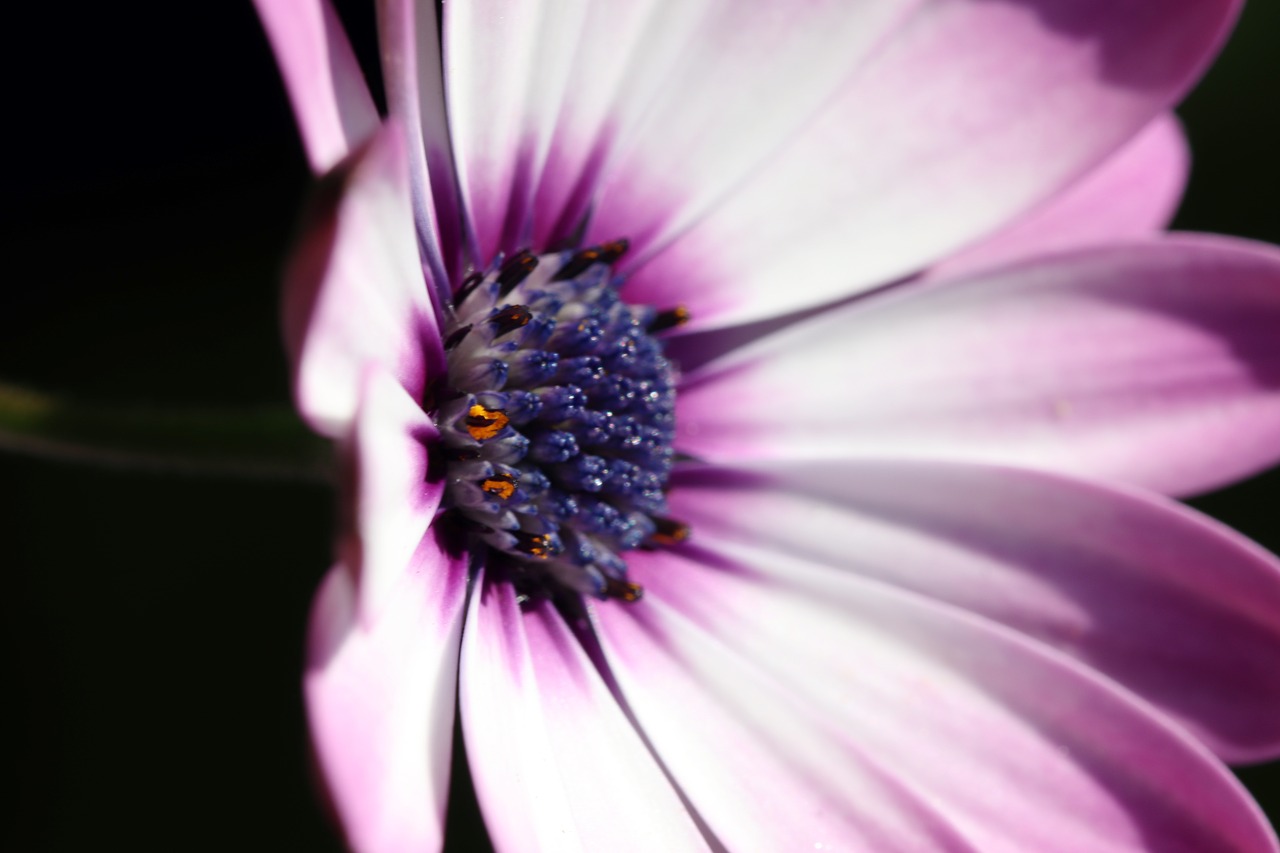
(516, 270)
(669, 319)
(468, 286)
(455, 337)
(509, 319)
(613, 250)
(535, 544)
(669, 531)
(483, 423)
(577, 265)
(557, 417)
(500, 485)
(625, 590)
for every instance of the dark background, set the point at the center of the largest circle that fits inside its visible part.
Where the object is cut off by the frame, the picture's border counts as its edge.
(152, 182)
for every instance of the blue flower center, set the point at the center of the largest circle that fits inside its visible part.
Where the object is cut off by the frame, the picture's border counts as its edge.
(558, 420)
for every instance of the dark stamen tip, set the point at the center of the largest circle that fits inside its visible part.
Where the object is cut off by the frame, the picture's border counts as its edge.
(466, 453)
(669, 319)
(625, 590)
(468, 286)
(613, 250)
(455, 337)
(536, 545)
(578, 264)
(509, 319)
(460, 520)
(516, 270)
(669, 531)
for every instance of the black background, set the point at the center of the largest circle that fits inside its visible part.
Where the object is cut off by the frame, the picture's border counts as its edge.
(152, 182)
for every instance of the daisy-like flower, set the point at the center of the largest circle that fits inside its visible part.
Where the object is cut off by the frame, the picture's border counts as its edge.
(762, 422)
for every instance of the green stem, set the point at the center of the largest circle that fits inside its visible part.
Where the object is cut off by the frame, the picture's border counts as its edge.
(258, 442)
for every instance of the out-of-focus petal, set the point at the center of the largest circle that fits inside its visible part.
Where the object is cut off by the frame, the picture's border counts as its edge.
(556, 764)
(789, 700)
(680, 83)
(1154, 363)
(326, 87)
(1132, 194)
(415, 96)
(965, 117)
(355, 293)
(1175, 607)
(393, 492)
(381, 701)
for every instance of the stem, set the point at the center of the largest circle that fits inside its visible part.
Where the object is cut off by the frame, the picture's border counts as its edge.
(259, 442)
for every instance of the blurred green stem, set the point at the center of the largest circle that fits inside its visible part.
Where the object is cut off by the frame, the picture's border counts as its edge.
(257, 442)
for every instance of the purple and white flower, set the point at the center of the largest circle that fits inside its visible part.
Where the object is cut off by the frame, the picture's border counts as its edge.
(762, 422)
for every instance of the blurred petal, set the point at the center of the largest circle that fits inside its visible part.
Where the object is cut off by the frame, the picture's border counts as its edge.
(557, 766)
(1172, 605)
(381, 701)
(395, 496)
(1132, 194)
(1155, 363)
(769, 685)
(964, 118)
(415, 96)
(326, 87)
(355, 293)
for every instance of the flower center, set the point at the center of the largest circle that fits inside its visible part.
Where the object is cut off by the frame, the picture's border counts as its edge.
(558, 420)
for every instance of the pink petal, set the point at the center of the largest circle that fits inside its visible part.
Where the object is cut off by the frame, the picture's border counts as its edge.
(682, 82)
(381, 701)
(792, 701)
(382, 656)
(415, 96)
(965, 116)
(1134, 193)
(394, 494)
(355, 293)
(1172, 605)
(557, 766)
(1155, 363)
(325, 84)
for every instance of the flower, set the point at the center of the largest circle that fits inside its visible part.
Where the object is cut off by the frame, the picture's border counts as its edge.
(905, 572)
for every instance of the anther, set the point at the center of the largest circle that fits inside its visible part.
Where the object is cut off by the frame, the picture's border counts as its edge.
(536, 544)
(500, 485)
(455, 337)
(516, 270)
(668, 531)
(669, 319)
(578, 264)
(484, 423)
(468, 286)
(625, 590)
(509, 319)
(613, 250)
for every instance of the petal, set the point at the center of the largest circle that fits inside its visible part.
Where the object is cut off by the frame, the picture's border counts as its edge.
(415, 96)
(381, 701)
(330, 99)
(394, 494)
(1012, 747)
(557, 766)
(964, 117)
(1155, 363)
(1134, 193)
(681, 82)
(355, 293)
(1172, 605)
